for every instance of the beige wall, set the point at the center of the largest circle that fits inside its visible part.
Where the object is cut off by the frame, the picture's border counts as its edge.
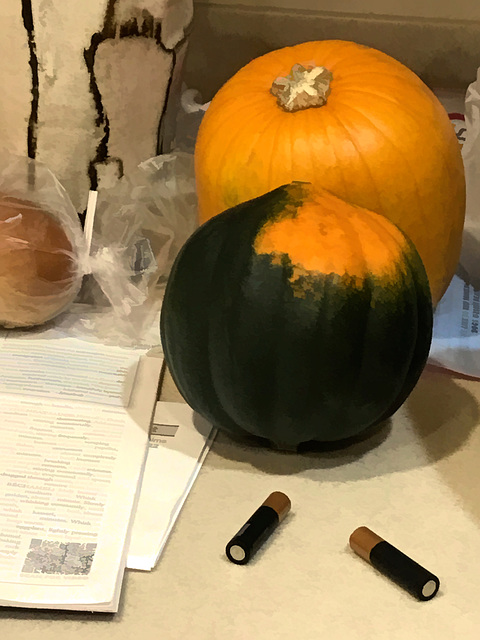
(444, 53)
(446, 9)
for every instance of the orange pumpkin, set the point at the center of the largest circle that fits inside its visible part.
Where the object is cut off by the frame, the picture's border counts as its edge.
(347, 118)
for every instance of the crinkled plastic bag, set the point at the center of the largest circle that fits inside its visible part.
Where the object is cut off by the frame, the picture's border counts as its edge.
(189, 118)
(470, 257)
(42, 248)
(141, 222)
(456, 327)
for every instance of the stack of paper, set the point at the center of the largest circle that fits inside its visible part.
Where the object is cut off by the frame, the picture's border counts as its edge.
(93, 470)
(74, 420)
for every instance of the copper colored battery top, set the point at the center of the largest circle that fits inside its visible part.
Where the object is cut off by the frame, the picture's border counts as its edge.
(279, 502)
(363, 540)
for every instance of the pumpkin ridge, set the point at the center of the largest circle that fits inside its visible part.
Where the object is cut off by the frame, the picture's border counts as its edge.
(426, 254)
(227, 141)
(362, 159)
(358, 55)
(414, 115)
(307, 122)
(327, 49)
(183, 375)
(311, 120)
(424, 318)
(223, 167)
(291, 154)
(248, 156)
(220, 159)
(273, 155)
(387, 98)
(333, 146)
(388, 75)
(401, 375)
(253, 96)
(265, 132)
(230, 320)
(216, 159)
(399, 151)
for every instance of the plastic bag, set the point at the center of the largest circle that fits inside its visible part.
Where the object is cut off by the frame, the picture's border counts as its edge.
(189, 118)
(42, 248)
(456, 328)
(470, 256)
(113, 289)
(141, 223)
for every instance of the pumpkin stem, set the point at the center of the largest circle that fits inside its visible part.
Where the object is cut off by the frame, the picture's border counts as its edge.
(304, 87)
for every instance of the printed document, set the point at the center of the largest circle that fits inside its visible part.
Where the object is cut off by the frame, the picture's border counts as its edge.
(74, 420)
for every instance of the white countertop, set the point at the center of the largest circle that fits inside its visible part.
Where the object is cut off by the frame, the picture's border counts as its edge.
(416, 483)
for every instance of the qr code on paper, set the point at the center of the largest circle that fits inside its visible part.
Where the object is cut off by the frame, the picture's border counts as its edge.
(66, 558)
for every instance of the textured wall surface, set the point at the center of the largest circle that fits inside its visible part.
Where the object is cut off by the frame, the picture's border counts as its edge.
(458, 10)
(444, 52)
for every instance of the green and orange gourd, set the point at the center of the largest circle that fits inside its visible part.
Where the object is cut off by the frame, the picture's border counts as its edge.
(297, 317)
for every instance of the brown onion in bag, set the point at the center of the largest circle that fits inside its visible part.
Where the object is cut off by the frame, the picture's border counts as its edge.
(41, 245)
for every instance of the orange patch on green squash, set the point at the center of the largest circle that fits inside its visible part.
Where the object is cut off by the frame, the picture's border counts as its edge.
(325, 235)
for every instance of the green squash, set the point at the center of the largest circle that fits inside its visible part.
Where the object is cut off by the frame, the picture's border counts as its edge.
(296, 317)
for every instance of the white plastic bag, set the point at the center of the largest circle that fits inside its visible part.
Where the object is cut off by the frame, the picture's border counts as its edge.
(456, 333)
(470, 257)
(140, 225)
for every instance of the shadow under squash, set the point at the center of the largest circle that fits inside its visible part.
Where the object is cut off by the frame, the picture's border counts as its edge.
(436, 421)
(446, 418)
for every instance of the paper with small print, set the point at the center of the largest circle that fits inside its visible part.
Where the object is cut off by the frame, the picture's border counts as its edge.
(74, 419)
(456, 342)
(68, 369)
(61, 467)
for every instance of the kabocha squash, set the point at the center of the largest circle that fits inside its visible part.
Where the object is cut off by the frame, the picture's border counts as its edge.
(296, 317)
(350, 119)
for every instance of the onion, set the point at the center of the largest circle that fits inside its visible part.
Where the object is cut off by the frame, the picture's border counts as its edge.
(39, 274)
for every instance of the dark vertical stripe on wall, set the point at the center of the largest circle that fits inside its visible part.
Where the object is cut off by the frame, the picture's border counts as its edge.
(161, 124)
(27, 15)
(108, 31)
(160, 130)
